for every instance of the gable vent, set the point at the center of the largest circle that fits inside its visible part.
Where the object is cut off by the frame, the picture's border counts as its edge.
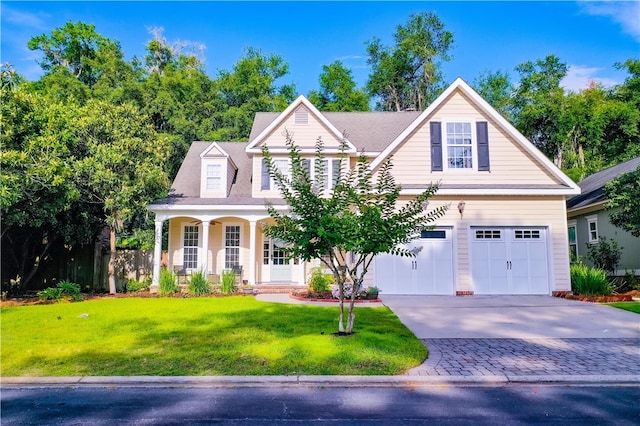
(302, 116)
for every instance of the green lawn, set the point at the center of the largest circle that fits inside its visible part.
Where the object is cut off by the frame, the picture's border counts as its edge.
(200, 336)
(627, 306)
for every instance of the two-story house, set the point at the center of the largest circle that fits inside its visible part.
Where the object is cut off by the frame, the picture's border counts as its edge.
(504, 233)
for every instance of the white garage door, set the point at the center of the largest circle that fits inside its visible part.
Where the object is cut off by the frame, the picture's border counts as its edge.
(509, 260)
(429, 272)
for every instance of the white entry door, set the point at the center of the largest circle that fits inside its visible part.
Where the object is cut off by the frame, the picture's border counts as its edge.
(508, 260)
(276, 258)
(429, 272)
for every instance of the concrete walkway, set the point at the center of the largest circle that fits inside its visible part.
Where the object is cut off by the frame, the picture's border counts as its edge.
(516, 338)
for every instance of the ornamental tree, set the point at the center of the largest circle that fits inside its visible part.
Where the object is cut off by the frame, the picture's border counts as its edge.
(346, 227)
(624, 193)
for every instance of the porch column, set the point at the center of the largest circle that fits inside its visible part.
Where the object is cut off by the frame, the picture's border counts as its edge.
(252, 252)
(157, 257)
(204, 261)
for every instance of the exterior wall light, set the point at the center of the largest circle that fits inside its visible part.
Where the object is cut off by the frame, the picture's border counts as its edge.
(461, 205)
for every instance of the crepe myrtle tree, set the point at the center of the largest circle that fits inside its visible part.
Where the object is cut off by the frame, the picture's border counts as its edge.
(346, 227)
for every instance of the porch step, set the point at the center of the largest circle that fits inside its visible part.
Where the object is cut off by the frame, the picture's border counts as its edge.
(276, 288)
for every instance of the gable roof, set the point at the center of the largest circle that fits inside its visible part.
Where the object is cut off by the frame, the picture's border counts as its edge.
(301, 101)
(357, 126)
(593, 186)
(462, 86)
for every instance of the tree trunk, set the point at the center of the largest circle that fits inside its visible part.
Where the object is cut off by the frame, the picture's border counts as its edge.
(112, 259)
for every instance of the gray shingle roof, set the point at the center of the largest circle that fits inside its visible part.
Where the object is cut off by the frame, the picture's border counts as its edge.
(593, 186)
(368, 131)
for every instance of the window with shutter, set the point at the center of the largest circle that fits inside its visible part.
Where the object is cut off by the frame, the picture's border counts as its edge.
(482, 133)
(436, 146)
(265, 182)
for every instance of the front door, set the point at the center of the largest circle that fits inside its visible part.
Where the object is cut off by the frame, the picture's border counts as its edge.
(276, 258)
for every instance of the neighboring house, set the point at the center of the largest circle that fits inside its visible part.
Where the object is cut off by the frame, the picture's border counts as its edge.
(588, 219)
(505, 232)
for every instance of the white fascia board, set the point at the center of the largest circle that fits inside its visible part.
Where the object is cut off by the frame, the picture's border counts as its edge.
(459, 83)
(301, 100)
(589, 207)
(216, 146)
(305, 151)
(205, 208)
(492, 191)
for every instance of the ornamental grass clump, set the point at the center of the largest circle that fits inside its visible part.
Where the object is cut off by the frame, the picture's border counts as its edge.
(589, 281)
(64, 290)
(168, 282)
(228, 282)
(198, 284)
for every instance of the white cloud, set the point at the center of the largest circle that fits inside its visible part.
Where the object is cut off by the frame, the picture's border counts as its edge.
(580, 77)
(625, 13)
(24, 19)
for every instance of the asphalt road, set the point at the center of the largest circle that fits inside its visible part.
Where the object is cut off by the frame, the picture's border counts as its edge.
(510, 404)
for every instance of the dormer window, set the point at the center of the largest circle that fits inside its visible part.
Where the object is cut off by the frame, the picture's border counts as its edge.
(301, 116)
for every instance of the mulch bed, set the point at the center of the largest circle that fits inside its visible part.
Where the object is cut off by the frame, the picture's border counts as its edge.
(324, 297)
(624, 297)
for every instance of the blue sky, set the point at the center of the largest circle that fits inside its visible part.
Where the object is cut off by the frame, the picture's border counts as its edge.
(489, 36)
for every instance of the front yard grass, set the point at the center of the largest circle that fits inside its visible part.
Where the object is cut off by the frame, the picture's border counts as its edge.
(627, 306)
(200, 336)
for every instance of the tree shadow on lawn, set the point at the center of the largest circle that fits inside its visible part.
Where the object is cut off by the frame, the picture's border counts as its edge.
(261, 340)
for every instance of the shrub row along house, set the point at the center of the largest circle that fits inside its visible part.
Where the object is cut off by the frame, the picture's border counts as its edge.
(504, 233)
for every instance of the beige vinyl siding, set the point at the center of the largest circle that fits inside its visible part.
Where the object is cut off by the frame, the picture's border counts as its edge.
(305, 135)
(510, 164)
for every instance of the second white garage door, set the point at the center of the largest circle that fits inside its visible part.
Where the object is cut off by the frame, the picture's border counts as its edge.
(429, 272)
(508, 260)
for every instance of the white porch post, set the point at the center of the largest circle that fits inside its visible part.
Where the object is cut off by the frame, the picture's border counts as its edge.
(157, 257)
(252, 252)
(204, 261)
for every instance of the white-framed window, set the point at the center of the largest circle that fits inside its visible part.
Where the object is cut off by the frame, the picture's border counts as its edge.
(573, 240)
(592, 228)
(190, 242)
(459, 145)
(232, 238)
(330, 172)
(284, 166)
(214, 177)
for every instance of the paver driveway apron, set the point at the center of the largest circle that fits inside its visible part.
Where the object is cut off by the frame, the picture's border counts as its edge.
(520, 335)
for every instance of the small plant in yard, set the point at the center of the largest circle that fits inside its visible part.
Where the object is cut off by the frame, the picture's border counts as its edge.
(319, 282)
(604, 254)
(198, 284)
(361, 293)
(228, 282)
(589, 281)
(168, 282)
(64, 289)
(134, 286)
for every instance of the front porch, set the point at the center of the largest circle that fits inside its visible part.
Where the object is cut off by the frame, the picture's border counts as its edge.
(213, 244)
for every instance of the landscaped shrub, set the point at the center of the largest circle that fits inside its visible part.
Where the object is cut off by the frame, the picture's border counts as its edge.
(348, 290)
(319, 282)
(168, 282)
(626, 283)
(133, 286)
(604, 254)
(64, 289)
(228, 282)
(198, 284)
(589, 281)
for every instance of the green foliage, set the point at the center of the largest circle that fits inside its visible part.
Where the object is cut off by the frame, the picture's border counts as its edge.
(408, 74)
(627, 306)
(319, 282)
(64, 289)
(338, 90)
(228, 281)
(627, 282)
(624, 194)
(360, 215)
(168, 282)
(589, 281)
(604, 254)
(133, 286)
(198, 284)
(497, 89)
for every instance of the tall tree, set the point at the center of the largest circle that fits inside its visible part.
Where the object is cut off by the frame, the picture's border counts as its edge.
(338, 90)
(360, 218)
(249, 88)
(497, 89)
(78, 48)
(408, 74)
(123, 170)
(624, 194)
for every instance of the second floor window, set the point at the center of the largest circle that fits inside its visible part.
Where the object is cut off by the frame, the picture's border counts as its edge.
(459, 145)
(214, 177)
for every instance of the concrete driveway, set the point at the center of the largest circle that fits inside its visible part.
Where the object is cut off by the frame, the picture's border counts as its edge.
(519, 317)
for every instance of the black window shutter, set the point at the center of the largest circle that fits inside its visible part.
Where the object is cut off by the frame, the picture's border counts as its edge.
(265, 183)
(436, 146)
(482, 133)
